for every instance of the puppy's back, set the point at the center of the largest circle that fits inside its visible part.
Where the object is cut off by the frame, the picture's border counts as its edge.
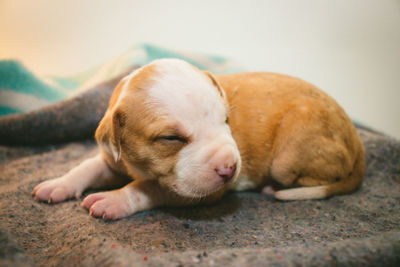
(283, 125)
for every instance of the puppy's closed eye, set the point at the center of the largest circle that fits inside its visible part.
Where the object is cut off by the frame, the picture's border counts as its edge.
(169, 145)
(172, 139)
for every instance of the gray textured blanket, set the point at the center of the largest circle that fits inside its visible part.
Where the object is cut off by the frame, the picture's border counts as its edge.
(243, 229)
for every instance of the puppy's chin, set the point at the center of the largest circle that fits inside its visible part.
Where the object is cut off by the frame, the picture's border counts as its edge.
(195, 188)
(190, 192)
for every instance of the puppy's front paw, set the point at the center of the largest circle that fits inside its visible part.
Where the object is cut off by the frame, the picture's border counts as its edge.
(55, 190)
(110, 205)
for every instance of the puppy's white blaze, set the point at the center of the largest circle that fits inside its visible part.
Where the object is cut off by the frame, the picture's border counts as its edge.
(187, 94)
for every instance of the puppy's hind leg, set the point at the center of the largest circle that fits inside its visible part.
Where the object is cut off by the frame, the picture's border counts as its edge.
(317, 189)
(327, 170)
(89, 173)
(315, 157)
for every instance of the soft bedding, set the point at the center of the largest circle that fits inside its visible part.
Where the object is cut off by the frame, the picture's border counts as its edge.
(243, 229)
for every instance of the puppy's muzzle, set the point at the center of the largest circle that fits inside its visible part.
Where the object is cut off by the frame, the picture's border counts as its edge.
(226, 172)
(225, 162)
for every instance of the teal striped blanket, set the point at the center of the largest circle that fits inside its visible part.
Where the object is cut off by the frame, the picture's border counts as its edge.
(21, 90)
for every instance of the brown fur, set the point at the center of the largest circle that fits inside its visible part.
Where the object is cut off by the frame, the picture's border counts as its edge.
(130, 123)
(287, 131)
(283, 131)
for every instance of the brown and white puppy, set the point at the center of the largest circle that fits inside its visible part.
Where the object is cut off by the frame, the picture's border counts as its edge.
(185, 137)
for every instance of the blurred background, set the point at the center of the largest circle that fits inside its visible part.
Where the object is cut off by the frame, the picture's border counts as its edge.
(348, 48)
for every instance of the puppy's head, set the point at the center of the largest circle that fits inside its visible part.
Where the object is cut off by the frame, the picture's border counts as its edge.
(169, 121)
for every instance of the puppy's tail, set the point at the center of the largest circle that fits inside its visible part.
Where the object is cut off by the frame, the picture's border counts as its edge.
(344, 186)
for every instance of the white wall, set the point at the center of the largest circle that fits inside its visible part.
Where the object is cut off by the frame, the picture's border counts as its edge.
(349, 48)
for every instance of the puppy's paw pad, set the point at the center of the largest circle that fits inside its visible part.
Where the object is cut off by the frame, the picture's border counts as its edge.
(108, 205)
(268, 190)
(53, 191)
(91, 199)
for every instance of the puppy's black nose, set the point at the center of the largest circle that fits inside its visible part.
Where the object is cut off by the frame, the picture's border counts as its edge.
(226, 172)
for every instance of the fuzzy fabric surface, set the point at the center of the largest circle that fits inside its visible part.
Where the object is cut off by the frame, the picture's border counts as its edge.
(243, 229)
(22, 90)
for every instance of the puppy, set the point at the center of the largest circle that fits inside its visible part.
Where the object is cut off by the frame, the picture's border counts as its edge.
(185, 137)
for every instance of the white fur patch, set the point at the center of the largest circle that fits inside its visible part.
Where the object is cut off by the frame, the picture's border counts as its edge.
(190, 98)
(312, 192)
(116, 153)
(111, 149)
(243, 183)
(187, 94)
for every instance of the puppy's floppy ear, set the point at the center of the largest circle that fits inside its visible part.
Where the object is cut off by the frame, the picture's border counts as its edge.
(118, 122)
(109, 133)
(216, 83)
